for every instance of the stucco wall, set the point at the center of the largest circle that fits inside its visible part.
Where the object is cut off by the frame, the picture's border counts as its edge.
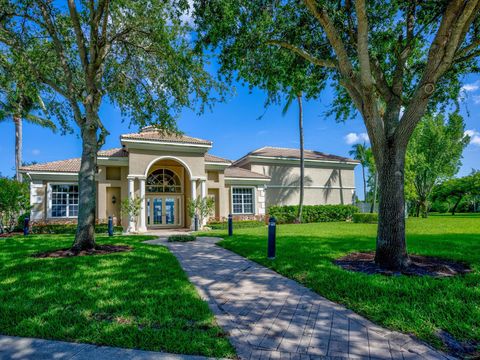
(140, 160)
(323, 185)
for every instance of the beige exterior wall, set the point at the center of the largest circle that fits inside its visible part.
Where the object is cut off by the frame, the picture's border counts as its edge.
(216, 186)
(327, 184)
(140, 160)
(105, 208)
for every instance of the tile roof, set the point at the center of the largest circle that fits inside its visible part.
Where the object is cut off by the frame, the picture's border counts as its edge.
(288, 153)
(153, 134)
(72, 165)
(237, 172)
(217, 159)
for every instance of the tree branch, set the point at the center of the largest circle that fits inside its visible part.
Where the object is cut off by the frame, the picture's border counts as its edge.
(457, 18)
(344, 63)
(81, 43)
(304, 54)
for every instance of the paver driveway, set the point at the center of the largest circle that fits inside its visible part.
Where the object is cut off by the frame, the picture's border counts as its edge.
(270, 316)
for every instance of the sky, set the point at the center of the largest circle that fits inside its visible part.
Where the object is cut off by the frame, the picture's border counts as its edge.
(235, 129)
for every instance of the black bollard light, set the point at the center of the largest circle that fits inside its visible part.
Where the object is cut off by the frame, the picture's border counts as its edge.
(26, 223)
(196, 222)
(230, 225)
(110, 226)
(272, 232)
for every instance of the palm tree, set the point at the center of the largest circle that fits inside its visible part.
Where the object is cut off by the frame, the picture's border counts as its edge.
(359, 152)
(18, 106)
(298, 96)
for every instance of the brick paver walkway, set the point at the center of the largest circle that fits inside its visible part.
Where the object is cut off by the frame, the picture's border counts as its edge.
(271, 317)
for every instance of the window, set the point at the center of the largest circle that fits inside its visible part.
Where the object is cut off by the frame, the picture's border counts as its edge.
(242, 200)
(64, 200)
(163, 181)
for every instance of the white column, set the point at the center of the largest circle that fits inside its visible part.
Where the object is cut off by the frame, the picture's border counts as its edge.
(194, 189)
(142, 227)
(203, 194)
(203, 189)
(193, 194)
(131, 223)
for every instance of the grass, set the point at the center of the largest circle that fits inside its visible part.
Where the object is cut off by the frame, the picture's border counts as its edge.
(139, 299)
(418, 305)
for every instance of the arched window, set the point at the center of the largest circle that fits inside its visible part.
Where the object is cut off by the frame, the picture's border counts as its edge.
(163, 181)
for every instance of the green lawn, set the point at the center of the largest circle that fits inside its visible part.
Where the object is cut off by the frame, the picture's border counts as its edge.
(139, 299)
(418, 305)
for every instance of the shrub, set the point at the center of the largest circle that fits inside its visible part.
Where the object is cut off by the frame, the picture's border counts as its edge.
(237, 224)
(46, 228)
(181, 238)
(313, 213)
(14, 200)
(365, 218)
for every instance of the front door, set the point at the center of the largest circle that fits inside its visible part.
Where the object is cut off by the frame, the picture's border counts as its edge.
(164, 211)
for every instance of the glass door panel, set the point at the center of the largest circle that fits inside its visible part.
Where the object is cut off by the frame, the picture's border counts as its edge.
(170, 211)
(157, 211)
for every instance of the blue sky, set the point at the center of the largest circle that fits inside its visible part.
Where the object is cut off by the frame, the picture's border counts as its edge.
(234, 128)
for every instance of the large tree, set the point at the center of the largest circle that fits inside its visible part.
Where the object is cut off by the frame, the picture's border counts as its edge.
(382, 57)
(435, 152)
(136, 54)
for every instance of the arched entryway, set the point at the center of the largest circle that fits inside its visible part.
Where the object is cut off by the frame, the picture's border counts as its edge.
(168, 182)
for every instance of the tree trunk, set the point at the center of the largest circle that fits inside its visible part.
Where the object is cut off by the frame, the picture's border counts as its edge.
(18, 146)
(423, 207)
(391, 250)
(302, 159)
(85, 236)
(375, 188)
(456, 205)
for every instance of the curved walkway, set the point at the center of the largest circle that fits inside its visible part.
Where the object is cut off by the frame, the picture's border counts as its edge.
(20, 348)
(268, 316)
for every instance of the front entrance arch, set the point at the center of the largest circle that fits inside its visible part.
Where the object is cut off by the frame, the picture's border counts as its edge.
(165, 197)
(167, 182)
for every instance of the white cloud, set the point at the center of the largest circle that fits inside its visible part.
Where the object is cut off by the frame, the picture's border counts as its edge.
(355, 138)
(474, 136)
(471, 87)
(35, 152)
(476, 99)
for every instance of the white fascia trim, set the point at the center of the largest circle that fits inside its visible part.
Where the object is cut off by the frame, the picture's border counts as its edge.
(48, 172)
(217, 163)
(165, 143)
(312, 187)
(271, 158)
(247, 179)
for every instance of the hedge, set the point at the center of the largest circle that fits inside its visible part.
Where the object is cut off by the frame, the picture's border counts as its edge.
(312, 213)
(69, 229)
(237, 224)
(181, 238)
(365, 218)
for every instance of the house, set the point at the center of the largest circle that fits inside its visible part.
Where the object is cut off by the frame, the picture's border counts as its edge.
(167, 170)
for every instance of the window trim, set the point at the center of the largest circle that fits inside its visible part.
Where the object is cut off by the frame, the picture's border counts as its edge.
(254, 200)
(49, 201)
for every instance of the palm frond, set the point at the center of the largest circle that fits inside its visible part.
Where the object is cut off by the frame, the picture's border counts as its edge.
(37, 120)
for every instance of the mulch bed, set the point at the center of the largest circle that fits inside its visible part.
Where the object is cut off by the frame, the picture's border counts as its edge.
(99, 250)
(6, 235)
(419, 265)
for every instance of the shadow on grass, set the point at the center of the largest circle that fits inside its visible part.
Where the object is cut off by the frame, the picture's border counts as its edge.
(139, 299)
(418, 305)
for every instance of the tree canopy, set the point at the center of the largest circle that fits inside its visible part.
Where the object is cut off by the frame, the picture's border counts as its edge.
(392, 62)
